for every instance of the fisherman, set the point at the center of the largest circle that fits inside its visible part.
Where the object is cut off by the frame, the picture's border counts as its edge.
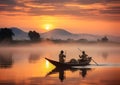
(62, 57)
(83, 56)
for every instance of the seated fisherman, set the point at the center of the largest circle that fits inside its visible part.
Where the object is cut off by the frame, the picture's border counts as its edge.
(83, 56)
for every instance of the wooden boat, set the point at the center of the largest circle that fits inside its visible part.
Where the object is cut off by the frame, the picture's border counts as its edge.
(68, 65)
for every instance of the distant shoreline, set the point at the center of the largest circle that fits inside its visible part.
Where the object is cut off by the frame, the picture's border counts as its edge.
(28, 42)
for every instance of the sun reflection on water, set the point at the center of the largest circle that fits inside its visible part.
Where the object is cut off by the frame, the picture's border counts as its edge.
(47, 64)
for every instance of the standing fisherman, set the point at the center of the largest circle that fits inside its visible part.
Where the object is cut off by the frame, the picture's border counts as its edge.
(62, 56)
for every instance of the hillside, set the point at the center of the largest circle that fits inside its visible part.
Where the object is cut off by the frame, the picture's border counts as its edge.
(19, 34)
(61, 34)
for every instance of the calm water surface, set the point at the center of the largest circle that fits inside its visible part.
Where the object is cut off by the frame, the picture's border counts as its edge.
(25, 65)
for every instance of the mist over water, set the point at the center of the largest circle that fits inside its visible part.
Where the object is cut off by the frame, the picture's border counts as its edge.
(25, 64)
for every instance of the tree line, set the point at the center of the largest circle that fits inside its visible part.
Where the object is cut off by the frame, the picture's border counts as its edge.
(7, 35)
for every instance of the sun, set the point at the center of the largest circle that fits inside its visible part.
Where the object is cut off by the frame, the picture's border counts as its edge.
(48, 26)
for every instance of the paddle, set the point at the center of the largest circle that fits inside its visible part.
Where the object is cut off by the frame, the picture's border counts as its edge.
(79, 50)
(94, 62)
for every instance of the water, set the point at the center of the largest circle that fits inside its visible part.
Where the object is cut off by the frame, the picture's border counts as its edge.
(25, 65)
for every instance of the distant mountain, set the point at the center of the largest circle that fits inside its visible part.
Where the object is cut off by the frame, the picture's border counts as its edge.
(57, 34)
(58, 31)
(64, 35)
(19, 34)
(61, 34)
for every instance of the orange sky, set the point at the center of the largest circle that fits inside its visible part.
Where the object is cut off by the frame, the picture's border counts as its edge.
(77, 16)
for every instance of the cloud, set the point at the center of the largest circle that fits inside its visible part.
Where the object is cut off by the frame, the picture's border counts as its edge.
(8, 2)
(59, 7)
(111, 10)
(73, 1)
(11, 7)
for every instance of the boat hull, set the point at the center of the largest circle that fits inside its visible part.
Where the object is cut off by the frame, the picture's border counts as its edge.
(68, 65)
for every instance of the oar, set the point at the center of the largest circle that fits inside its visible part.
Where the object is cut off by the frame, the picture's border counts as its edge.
(65, 54)
(95, 62)
(79, 50)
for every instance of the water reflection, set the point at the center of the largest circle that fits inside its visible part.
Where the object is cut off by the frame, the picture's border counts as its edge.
(10, 82)
(61, 71)
(6, 60)
(105, 55)
(83, 71)
(34, 57)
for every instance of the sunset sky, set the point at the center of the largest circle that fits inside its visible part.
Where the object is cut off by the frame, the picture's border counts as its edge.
(77, 16)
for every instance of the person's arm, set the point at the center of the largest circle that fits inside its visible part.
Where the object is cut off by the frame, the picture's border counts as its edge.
(64, 56)
(79, 56)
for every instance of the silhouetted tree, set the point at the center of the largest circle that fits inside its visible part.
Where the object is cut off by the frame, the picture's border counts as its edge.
(6, 34)
(69, 39)
(34, 36)
(98, 40)
(82, 40)
(104, 39)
